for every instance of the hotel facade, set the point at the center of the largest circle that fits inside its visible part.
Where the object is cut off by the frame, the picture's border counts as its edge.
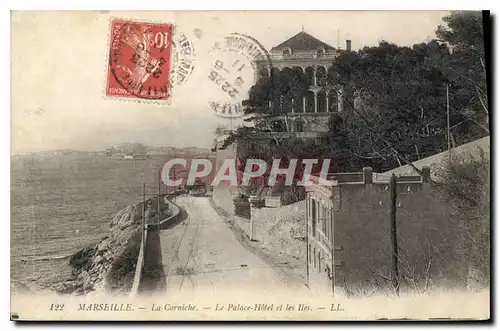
(313, 57)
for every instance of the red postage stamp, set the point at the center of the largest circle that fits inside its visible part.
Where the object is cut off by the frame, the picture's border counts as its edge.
(139, 60)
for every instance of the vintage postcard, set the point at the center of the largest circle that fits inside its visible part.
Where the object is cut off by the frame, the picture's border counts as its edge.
(270, 165)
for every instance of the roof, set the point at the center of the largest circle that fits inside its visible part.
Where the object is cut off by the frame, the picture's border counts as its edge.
(436, 161)
(304, 42)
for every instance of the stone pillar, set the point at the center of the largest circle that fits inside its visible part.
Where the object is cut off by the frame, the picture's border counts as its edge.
(314, 75)
(426, 174)
(253, 205)
(315, 102)
(303, 104)
(367, 175)
(327, 96)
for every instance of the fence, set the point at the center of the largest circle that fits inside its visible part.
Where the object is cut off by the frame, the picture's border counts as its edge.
(140, 259)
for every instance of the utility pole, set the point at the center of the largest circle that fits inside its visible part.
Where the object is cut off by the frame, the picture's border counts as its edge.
(143, 217)
(307, 238)
(448, 119)
(159, 188)
(332, 250)
(394, 239)
(173, 195)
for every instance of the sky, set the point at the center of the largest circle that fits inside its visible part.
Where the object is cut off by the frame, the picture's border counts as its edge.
(59, 68)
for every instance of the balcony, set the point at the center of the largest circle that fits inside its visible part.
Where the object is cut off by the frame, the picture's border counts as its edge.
(304, 56)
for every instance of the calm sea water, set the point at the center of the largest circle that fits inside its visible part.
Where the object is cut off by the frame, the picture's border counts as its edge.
(61, 203)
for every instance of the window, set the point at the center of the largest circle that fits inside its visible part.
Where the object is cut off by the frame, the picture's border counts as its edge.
(314, 255)
(313, 216)
(333, 101)
(287, 52)
(329, 224)
(325, 222)
(320, 211)
(307, 210)
(320, 52)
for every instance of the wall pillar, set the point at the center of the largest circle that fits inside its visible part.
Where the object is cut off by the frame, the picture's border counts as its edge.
(426, 174)
(327, 96)
(314, 75)
(303, 104)
(367, 175)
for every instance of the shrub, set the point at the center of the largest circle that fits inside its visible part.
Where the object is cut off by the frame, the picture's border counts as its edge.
(466, 185)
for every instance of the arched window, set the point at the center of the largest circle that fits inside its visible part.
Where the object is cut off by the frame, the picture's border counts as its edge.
(287, 51)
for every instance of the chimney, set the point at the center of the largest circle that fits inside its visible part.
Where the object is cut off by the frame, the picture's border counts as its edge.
(348, 45)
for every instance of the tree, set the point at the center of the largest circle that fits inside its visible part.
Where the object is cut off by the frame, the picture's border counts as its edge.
(395, 103)
(273, 97)
(395, 98)
(466, 68)
(219, 131)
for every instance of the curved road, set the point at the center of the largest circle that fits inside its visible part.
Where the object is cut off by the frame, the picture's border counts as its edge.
(202, 254)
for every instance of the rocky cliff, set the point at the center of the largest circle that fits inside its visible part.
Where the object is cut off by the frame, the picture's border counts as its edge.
(109, 264)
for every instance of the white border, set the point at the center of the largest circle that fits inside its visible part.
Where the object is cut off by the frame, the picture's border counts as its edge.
(170, 5)
(252, 5)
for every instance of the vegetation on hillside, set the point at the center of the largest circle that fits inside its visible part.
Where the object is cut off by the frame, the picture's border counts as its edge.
(466, 184)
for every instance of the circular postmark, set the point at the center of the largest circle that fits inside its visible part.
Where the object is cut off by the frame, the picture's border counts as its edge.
(235, 64)
(183, 58)
(140, 59)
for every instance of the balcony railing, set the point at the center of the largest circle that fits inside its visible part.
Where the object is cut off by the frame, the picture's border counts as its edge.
(304, 56)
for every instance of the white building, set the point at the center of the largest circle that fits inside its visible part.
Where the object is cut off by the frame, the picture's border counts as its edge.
(306, 54)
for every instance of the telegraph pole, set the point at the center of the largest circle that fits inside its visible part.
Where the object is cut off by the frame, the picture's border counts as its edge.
(307, 239)
(448, 118)
(143, 216)
(159, 188)
(173, 195)
(332, 250)
(394, 239)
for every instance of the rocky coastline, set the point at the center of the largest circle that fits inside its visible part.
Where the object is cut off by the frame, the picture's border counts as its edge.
(109, 264)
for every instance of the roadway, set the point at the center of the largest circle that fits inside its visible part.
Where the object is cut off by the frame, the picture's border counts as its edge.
(201, 254)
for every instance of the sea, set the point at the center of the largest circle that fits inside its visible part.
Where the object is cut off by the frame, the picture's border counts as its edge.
(60, 203)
